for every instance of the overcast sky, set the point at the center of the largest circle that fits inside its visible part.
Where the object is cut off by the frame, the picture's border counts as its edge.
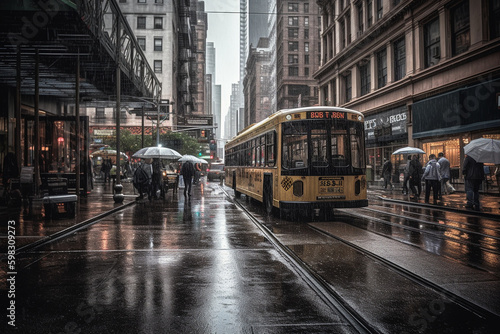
(224, 30)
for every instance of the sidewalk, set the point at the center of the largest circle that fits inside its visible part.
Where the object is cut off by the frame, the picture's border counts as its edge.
(490, 201)
(32, 227)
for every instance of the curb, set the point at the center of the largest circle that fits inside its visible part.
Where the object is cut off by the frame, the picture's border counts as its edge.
(74, 228)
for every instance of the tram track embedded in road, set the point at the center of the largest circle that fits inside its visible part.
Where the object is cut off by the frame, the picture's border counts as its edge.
(316, 282)
(480, 311)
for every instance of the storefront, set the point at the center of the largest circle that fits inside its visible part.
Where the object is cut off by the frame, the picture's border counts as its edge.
(385, 132)
(447, 122)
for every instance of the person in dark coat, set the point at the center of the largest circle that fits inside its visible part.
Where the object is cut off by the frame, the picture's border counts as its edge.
(415, 176)
(474, 175)
(387, 173)
(106, 169)
(157, 179)
(187, 172)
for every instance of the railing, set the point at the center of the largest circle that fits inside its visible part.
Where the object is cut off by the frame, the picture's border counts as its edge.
(103, 19)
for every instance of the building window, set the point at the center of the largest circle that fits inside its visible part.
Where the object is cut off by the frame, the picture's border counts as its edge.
(306, 46)
(380, 9)
(364, 74)
(293, 71)
(293, 7)
(431, 43)
(306, 71)
(342, 34)
(306, 7)
(399, 59)
(158, 22)
(141, 22)
(158, 66)
(348, 87)
(293, 21)
(293, 59)
(382, 68)
(142, 43)
(293, 32)
(158, 44)
(306, 59)
(460, 27)
(141, 1)
(306, 33)
(369, 13)
(494, 18)
(293, 46)
(306, 21)
(360, 18)
(160, 2)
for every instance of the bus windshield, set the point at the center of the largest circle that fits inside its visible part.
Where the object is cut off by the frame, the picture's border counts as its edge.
(314, 147)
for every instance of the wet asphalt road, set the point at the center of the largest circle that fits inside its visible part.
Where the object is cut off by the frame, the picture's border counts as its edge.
(196, 266)
(201, 266)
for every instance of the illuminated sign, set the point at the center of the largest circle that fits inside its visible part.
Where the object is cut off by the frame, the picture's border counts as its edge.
(326, 115)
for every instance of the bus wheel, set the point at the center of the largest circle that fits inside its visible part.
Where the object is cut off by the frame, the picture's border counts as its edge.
(268, 194)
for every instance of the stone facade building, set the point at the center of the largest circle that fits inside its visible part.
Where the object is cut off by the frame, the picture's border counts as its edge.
(424, 73)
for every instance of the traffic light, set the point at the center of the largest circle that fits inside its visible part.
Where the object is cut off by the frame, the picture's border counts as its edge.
(199, 154)
(202, 134)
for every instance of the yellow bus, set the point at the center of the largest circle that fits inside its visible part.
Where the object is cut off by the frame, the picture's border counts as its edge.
(303, 160)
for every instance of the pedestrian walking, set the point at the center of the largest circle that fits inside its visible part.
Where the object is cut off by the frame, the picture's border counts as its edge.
(106, 169)
(142, 179)
(432, 177)
(156, 179)
(387, 173)
(197, 173)
(444, 168)
(406, 176)
(415, 176)
(474, 175)
(187, 172)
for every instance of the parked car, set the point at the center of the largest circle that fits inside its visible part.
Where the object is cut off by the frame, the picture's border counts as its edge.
(215, 171)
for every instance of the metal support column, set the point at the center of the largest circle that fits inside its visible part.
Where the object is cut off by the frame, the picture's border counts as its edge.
(118, 196)
(18, 112)
(77, 125)
(37, 131)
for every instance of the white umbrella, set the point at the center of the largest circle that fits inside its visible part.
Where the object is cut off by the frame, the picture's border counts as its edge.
(408, 150)
(157, 152)
(192, 158)
(109, 154)
(484, 150)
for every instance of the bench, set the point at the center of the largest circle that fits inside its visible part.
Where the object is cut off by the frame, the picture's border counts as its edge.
(56, 200)
(58, 205)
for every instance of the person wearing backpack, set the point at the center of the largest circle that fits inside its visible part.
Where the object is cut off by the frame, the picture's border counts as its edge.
(142, 179)
(432, 177)
(187, 172)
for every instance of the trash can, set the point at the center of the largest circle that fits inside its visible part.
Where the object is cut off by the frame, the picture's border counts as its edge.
(369, 173)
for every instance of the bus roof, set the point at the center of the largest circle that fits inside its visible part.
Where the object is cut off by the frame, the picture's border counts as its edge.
(283, 112)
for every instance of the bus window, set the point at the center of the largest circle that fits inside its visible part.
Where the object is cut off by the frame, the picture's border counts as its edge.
(270, 147)
(319, 147)
(357, 146)
(294, 145)
(339, 147)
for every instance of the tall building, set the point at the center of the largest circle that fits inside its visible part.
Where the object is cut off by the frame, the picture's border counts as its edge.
(201, 41)
(240, 124)
(257, 83)
(424, 73)
(297, 53)
(257, 21)
(271, 28)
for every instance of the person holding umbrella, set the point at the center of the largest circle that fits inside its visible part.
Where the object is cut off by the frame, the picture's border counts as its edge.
(473, 172)
(187, 172)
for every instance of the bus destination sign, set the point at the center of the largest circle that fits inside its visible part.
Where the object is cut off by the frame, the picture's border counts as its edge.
(326, 115)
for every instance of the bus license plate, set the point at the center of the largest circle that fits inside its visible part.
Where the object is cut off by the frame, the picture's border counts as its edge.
(329, 185)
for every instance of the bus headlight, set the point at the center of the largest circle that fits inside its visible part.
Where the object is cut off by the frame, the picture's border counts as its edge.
(298, 188)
